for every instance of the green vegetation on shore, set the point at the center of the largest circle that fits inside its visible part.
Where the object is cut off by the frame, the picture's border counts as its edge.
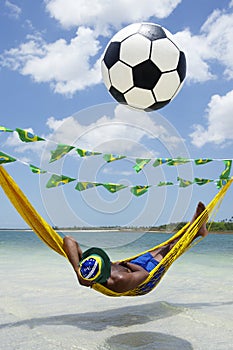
(223, 226)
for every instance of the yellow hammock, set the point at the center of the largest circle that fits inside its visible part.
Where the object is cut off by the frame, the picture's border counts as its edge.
(46, 233)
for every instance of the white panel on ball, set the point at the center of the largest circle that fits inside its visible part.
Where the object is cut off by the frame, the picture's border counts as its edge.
(165, 54)
(167, 85)
(105, 75)
(121, 76)
(135, 50)
(126, 32)
(139, 98)
(168, 34)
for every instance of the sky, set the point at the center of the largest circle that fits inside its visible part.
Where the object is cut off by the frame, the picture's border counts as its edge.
(51, 85)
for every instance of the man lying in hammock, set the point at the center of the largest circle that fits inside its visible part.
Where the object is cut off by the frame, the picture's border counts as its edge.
(94, 266)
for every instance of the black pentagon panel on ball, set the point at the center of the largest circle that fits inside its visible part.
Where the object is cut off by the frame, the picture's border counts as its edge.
(181, 68)
(146, 75)
(152, 31)
(157, 105)
(112, 54)
(117, 95)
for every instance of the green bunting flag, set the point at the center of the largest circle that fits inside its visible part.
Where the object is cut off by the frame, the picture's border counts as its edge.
(221, 182)
(59, 152)
(201, 161)
(27, 136)
(200, 181)
(226, 172)
(85, 153)
(140, 163)
(178, 161)
(3, 129)
(160, 161)
(166, 183)
(225, 175)
(184, 183)
(36, 170)
(58, 180)
(5, 158)
(139, 190)
(113, 187)
(111, 157)
(85, 185)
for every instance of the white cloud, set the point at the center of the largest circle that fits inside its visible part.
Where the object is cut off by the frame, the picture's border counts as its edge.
(70, 66)
(104, 15)
(214, 44)
(219, 122)
(106, 134)
(197, 55)
(121, 130)
(14, 10)
(66, 66)
(123, 133)
(17, 58)
(218, 30)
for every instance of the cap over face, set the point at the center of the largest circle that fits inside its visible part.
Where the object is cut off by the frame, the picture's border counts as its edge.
(95, 265)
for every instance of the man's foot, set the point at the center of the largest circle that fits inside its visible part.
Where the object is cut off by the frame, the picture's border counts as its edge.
(203, 230)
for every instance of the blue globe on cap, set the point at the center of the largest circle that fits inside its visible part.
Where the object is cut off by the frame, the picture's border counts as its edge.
(95, 265)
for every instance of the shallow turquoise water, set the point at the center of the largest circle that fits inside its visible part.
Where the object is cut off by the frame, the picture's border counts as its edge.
(43, 307)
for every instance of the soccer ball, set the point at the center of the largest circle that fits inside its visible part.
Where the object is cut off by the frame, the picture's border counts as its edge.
(142, 67)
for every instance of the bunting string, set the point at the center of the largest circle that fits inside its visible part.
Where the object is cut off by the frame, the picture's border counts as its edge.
(56, 180)
(63, 149)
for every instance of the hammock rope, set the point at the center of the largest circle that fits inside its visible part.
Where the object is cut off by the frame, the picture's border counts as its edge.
(50, 237)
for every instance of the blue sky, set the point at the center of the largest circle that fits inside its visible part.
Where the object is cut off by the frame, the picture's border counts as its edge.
(51, 84)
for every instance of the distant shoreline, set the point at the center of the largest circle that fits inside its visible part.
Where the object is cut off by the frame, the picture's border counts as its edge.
(91, 229)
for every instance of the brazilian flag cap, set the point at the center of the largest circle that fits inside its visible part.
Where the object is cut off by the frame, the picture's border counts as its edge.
(95, 265)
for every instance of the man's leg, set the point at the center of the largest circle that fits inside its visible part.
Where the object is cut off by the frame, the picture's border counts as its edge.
(160, 253)
(203, 230)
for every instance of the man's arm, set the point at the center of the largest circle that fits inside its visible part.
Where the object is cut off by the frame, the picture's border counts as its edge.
(125, 281)
(73, 251)
(74, 254)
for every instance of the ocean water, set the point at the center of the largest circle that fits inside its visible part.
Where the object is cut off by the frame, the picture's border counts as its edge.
(43, 307)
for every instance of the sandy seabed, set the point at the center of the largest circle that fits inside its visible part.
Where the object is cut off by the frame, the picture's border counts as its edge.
(42, 307)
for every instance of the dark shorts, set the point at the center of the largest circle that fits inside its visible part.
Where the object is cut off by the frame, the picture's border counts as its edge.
(147, 261)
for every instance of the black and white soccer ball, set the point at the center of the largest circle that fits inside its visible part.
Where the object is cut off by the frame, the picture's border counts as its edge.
(142, 67)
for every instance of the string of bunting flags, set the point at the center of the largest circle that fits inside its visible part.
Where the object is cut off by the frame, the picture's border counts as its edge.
(63, 149)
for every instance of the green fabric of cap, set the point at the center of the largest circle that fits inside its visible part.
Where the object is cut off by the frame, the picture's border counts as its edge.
(106, 263)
